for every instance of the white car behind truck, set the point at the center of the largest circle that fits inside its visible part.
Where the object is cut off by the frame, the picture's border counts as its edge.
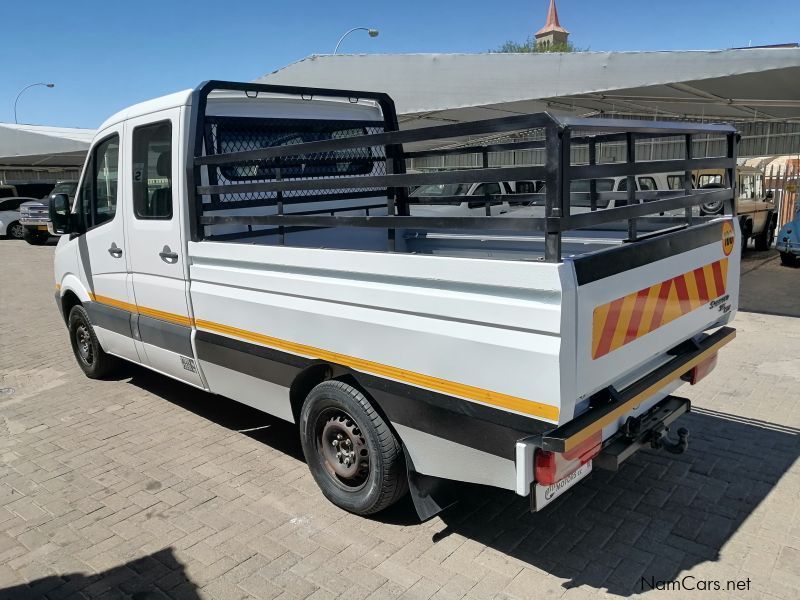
(258, 242)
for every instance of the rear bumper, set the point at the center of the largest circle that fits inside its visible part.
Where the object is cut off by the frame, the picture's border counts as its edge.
(615, 404)
(611, 406)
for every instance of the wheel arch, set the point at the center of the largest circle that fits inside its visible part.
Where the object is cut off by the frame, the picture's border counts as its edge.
(72, 293)
(68, 301)
(314, 374)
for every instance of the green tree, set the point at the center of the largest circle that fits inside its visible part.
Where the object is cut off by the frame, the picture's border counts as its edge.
(530, 45)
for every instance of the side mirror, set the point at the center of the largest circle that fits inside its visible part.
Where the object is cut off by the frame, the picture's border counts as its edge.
(60, 215)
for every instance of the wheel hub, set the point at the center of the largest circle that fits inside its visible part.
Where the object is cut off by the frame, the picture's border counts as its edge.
(84, 342)
(344, 449)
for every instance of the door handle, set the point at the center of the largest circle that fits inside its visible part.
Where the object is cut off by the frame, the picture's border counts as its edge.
(168, 256)
(115, 251)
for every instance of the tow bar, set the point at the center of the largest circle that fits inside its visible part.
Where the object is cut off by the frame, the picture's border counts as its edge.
(661, 440)
(649, 429)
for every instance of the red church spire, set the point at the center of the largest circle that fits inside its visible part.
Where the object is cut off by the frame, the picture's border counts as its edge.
(552, 21)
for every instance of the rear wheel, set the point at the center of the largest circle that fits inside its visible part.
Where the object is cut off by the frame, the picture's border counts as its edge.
(353, 456)
(788, 259)
(763, 241)
(746, 227)
(15, 230)
(91, 357)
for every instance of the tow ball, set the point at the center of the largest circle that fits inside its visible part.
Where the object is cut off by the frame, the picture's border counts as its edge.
(661, 439)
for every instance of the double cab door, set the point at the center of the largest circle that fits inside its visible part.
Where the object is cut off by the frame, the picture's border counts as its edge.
(158, 265)
(136, 257)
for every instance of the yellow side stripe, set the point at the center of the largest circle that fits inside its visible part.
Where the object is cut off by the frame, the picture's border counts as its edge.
(498, 399)
(528, 407)
(143, 310)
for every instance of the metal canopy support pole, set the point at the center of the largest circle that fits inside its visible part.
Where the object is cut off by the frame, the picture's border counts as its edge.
(731, 171)
(566, 180)
(552, 210)
(630, 158)
(486, 196)
(687, 176)
(593, 182)
(279, 195)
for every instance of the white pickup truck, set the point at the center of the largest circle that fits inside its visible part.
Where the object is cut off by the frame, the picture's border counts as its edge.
(257, 242)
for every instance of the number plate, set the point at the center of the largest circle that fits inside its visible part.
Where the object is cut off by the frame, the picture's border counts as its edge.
(545, 494)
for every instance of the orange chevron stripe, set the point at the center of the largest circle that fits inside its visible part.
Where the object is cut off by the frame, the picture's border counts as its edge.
(634, 315)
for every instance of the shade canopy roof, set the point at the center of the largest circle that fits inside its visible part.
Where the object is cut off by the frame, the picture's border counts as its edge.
(721, 85)
(43, 146)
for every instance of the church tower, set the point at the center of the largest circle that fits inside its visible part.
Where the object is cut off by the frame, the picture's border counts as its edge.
(552, 34)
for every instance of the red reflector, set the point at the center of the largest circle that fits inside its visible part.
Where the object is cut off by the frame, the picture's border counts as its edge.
(545, 471)
(550, 467)
(701, 370)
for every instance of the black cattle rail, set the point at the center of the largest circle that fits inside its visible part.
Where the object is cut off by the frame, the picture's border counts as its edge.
(275, 165)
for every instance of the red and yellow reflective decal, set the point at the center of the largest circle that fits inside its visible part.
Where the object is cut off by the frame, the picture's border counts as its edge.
(625, 319)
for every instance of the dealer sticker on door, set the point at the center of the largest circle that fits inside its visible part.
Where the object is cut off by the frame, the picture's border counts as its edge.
(545, 494)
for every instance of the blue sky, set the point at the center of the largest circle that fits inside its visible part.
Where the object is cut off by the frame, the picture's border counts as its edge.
(104, 55)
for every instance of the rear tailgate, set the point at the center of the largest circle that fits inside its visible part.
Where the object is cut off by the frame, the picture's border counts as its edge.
(637, 302)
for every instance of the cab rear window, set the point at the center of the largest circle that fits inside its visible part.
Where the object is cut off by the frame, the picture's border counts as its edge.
(238, 135)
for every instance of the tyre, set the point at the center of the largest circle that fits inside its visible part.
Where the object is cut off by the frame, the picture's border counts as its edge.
(34, 237)
(15, 230)
(352, 453)
(788, 259)
(90, 355)
(747, 231)
(763, 241)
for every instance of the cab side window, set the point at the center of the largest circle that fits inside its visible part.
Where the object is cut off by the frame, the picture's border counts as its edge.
(98, 194)
(152, 171)
(105, 181)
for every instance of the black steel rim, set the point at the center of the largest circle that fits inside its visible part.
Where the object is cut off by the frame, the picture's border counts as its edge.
(83, 344)
(342, 449)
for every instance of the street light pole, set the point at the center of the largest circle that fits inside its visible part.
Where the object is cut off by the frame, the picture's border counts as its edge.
(50, 85)
(371, 32)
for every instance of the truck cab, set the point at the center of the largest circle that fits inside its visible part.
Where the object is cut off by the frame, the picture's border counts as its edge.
(35, 217)
(755, 206)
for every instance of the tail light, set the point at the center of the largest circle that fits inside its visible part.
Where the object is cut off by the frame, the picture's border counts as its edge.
(550, 467)
(701, 370)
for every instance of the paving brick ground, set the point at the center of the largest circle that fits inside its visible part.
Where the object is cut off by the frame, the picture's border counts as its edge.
(141, 488)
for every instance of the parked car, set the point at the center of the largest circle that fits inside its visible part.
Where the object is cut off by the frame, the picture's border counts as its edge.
(9, 218)
(429, 200)
(34, 214)
(788, 241)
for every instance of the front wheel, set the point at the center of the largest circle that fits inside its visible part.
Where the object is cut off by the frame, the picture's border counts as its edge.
(15, 230)
(34, 237)
(91, 357)
(788, 259)
(352, 453)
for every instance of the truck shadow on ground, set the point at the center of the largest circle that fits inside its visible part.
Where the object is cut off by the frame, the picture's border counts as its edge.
(659, 515)
(140, 579)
